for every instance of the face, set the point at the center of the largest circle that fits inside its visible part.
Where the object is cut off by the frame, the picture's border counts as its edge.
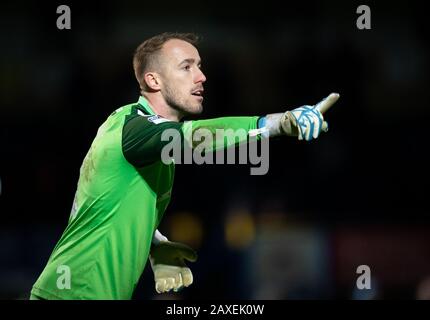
(181, 77)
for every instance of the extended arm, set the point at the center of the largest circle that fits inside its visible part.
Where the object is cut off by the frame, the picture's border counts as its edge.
(143, 138)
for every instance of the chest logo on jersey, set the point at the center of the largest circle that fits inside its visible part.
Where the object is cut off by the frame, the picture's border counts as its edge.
(157, 119)
(154, 119)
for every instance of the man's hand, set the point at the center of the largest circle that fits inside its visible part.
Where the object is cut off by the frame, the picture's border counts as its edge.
(305, 122)
(167, 262)
(308, 121)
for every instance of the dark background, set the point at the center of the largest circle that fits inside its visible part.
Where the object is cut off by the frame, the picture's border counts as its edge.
(356, 196)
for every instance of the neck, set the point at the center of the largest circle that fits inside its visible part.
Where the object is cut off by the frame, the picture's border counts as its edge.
(160, 107)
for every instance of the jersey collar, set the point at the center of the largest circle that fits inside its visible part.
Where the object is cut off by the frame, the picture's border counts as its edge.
(145, 105)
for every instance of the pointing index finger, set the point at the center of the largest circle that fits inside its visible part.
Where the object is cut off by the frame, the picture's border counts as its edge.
(326, 104)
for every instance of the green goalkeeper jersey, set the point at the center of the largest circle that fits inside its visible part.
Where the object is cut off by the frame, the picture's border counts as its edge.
(122, 194)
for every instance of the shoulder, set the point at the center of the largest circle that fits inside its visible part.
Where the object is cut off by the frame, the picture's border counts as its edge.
(138, 120)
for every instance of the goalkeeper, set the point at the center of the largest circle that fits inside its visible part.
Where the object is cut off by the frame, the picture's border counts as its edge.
(124, 186)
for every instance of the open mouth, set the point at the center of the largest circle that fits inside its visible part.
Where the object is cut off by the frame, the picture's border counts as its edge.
(198, 93)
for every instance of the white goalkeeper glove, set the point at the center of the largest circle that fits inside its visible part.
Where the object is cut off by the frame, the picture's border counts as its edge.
(305, 122)
(167, 262)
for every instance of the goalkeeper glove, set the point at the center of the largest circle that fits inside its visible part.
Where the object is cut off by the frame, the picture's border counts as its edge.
(305, 122)
(167, 262)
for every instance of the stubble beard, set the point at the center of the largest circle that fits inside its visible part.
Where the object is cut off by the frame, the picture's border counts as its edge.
(173, 99)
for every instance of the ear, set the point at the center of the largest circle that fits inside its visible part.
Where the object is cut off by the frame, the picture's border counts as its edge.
(152, 80)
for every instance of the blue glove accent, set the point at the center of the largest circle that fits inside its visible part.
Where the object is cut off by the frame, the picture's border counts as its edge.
(261, 122)
(307, 118)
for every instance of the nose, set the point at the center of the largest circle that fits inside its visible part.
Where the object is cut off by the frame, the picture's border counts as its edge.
(200, 77)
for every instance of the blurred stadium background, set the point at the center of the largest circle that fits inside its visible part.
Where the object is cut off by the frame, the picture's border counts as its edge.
(258, 237)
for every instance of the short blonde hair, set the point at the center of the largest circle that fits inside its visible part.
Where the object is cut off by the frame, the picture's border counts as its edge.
(146, 54)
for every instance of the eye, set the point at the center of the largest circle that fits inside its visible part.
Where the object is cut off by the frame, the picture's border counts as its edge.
(187, 67)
